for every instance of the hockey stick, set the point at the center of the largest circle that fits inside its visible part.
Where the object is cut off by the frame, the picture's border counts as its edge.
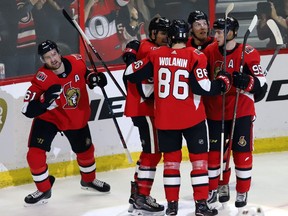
(85, 38)
(249, 30)
(102, 89)
(279, 42)
(228, 10)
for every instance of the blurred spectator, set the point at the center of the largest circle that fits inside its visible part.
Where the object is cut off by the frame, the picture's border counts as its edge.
(278, 11)
(136, 28)
(56, 27)
(8, 35)
(103, 29)
(26, 38)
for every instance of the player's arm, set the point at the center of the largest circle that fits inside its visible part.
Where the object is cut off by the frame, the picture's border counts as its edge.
(200, 83)
(252, 79)
(33, 104)
(139, 71)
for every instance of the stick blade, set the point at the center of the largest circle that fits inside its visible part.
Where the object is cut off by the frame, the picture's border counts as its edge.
(253, 23)
(229, 9)
(276, 32)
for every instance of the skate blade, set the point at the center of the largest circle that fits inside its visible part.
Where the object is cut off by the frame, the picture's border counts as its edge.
(139, 212)
(41, 202)
(130, 208)
(94, 190)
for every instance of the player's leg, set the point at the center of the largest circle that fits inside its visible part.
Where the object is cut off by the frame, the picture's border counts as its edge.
(41, 136)
(215, 185)
(197, 144)
(170, 143)
(146, 167)
(243, 158)
(81, 144)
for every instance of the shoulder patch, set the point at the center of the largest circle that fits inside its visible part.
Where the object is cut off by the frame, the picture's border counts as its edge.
(77, 56)
(41, 76)
(249, 49)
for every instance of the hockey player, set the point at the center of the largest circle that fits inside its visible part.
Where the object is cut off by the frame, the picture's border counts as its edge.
(248, 82)
(199, 30)
(58, 101)
(139, 106)
(180, 77)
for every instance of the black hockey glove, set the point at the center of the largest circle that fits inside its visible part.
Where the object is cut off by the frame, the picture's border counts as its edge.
(225, 79)
(243, 81)
(98, 79)
(129, 54)
(52, 93)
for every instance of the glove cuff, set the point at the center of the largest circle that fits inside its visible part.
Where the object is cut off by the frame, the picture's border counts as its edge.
(226, 83)
(130, 50)
(250, 85)
(90, 78)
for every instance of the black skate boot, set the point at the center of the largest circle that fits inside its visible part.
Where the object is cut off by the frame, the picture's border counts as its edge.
(39, 197)
(202, 209)
(212, 197)
(223, 193)
(241, 199)
(172, 208)
(134, 191)
(95, 185)
(145, 205)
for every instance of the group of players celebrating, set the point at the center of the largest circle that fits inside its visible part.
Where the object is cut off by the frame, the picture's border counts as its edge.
(180, 82)
(176, 83)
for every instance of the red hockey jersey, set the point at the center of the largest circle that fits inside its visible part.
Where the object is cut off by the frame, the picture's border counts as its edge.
(135, 104)
(213, 104)
(176, 107)
(71, 111)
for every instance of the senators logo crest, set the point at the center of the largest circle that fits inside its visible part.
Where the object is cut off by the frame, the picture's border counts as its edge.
(242, 142)
(218, 65)
(72, 96)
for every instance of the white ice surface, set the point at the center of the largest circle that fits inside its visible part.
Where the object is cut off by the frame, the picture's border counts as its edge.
(269, 191)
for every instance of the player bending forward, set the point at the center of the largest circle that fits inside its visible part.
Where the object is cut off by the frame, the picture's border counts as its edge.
(58, 101)
(180, 78)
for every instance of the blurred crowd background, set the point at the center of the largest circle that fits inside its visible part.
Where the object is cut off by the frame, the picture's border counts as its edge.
(111, 24)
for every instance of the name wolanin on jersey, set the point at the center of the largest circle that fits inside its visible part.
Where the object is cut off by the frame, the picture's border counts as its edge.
(172, 70)
(72, 110)
(251, 66)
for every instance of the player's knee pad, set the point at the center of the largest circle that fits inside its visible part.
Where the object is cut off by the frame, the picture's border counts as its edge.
(80, 147)
(86, 156)
(150, 160)
(36, 159)
(172, 160)
(199, 161)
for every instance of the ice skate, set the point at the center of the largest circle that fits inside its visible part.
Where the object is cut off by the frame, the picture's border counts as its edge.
(146, 205)
(241, 200)
(38, 197)
(212, 197)
(95, 185)
(172, 208)
(202, 209)
(223, 193)
(134, 190)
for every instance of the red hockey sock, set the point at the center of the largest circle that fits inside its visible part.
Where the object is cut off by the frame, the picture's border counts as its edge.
(87, 165)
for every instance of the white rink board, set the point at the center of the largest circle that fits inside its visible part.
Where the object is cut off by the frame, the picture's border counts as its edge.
(272, 121)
